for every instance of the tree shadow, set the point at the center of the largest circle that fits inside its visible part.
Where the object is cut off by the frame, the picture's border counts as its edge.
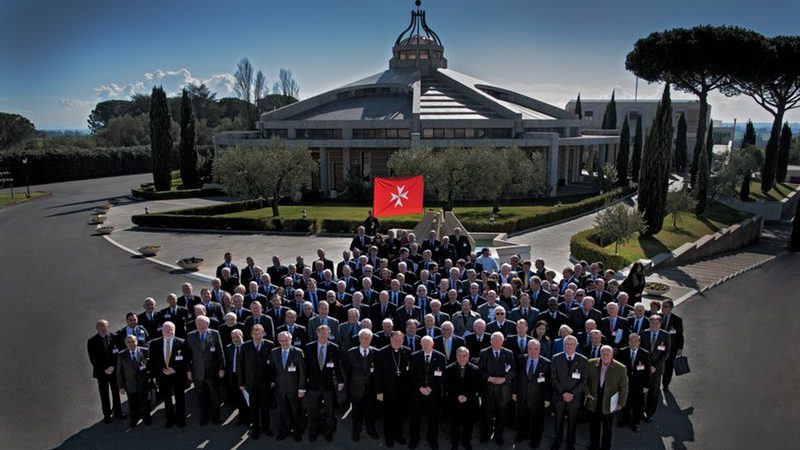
(651, 246)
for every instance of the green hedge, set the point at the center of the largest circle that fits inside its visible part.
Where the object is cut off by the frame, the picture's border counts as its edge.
(206, 217)
(177, 194)
(583, 246)
(202, 222)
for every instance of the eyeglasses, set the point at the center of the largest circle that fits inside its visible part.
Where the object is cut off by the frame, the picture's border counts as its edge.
(500, 314)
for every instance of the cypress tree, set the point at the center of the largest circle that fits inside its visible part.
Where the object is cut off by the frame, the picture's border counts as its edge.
(187, 147)
(784, 147)
(160, 139)
(579, 107)
(748, 140)
(681, 149)
(703, 175)
(654, 177)
(623, 154)
(610, 116)
(636, 157)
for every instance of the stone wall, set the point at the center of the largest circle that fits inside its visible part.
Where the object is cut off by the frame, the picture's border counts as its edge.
(731, 238)
(771, 211)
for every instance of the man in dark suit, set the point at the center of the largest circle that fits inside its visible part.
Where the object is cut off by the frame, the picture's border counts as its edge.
(579, 316)
(207, 368)
(277, 271)
(553, 317)
(568, 376)
(277, 312)
(348, 330)
(103, 356)
(637, 363)
(615, 329)
(228, 263)
(461, 243)
(289, 375)
(381, 310)
(131, 328)
(532, 392)
(233, 359)
(248, 273)
(258, 318)
(657, 342)
(359, 375)
(326, 263)
(478, 340)
(393, 387)
(427, 380)
(445, 251)
(431, 243)
(518, 343)
(673, 325)
(638, 322)
(239, 309)
(188, 299)
(175, 314)
(346, 261)
(497, 370)
(360, 241)
(447, 343)
(406, 312)
(298, 332)
(255, 376)
(228, 282)
(462, 384)
(167, 363)
(214, 310)
(148, 319)
(254, 295)
(411, 340)
(133, 380)
(325, 378)
(500, 324)
(596, 342)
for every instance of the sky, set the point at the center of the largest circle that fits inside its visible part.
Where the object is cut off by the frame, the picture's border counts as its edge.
(58, 58)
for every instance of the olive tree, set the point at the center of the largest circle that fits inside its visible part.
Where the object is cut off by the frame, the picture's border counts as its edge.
(617, 224)
(270, 172)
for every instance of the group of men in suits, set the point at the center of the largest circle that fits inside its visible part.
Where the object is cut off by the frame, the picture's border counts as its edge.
(424, 347)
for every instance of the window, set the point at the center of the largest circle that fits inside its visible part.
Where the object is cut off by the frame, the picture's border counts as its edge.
(588, 115)
(634, 116)
(380, 133)
(318, 133)
(423, 54)
(466, 133)
(280, 133)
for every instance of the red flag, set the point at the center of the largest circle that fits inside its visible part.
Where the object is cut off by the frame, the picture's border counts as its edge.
(398, 196)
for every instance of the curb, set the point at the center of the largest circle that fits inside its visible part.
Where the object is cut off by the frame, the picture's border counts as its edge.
(194, 275)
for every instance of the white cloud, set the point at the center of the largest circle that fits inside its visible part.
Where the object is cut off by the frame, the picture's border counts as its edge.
(171, 80)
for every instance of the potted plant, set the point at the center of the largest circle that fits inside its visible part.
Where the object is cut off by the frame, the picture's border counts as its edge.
(190, 263)
(149, 250)
(97, 219)
(656, 289)
(104, 229)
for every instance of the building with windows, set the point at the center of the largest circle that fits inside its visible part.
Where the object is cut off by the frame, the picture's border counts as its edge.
(594, 110)
(418, 100)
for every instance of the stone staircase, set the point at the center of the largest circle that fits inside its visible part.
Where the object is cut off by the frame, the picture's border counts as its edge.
(713, 271)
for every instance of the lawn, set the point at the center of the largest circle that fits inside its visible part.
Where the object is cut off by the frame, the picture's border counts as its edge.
(359, 211)
(716, 218)
(175, 184)
(19, 197)
(777, 193)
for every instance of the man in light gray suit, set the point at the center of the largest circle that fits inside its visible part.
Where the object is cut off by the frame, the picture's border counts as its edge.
(464, 320)
(348, 331)
(322, 319)
(289, 371)
(206, 368)
(132, 377)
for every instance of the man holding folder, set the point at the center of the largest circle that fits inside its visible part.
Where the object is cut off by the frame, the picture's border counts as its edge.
(606, 393)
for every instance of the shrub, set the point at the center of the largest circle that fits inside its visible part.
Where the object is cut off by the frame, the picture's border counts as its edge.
(583, 246)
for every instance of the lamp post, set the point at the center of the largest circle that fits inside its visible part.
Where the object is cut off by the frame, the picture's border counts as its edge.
(27, 179)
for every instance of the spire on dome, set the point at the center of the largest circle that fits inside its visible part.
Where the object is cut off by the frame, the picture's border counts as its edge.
(418, 45)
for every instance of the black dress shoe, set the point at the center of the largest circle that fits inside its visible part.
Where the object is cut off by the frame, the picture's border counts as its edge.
(413, 444)
(203, 422)
(389, 443)
(519, 438)
(356, 437)
(453, 446)
(434, 446)
(298, 437)
(467, 445)
(372, 433)
(533, 445)
(484, 439)
(281, 436)
(254, 435)
(181, 424)
(268, 432)
(148, 421)
(132, 424)
(401, 440)
(635, 428)
(499, 441)
(108, 419)
(169, 424)
(328, 437)
(120, 416)
(648, 419)
(312, 438)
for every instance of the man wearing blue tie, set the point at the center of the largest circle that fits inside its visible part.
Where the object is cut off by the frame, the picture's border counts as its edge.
(531, 393)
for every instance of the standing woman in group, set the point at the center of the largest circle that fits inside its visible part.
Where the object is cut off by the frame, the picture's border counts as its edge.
(634, 282)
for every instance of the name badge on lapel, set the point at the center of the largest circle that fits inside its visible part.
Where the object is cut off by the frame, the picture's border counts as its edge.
(540, 378)
(437, 373)
(673, 331)
(143, 366)
(576, 375)
(640, 366)
(213, 349)
(179, 358)
(662, 348)
(114, 351)
(508, 368)
(291, 368)
(329, 364)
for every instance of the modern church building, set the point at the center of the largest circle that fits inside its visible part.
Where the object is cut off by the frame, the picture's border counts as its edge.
(419, 101)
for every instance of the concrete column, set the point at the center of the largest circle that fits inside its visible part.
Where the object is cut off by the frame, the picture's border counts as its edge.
(345, 160)
(324, 183)
(576, 164)
(553, 169)
(565, 173)
(603, 155)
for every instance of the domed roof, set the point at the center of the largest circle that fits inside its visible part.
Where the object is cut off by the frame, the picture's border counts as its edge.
(418, 31)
